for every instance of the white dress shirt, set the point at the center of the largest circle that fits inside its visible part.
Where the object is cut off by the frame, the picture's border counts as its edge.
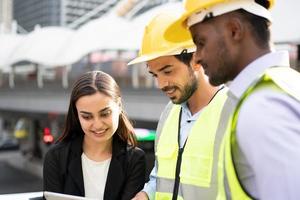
(94, 176)
(267, 157)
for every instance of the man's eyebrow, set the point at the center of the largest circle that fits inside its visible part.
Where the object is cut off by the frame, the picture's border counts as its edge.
(161, 69)
(150, 72)
(165, 67)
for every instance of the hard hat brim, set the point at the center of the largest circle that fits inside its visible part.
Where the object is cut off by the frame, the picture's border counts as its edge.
(146, 58)
(142, 59)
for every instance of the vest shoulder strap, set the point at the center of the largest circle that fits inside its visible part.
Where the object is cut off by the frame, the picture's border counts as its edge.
(282, 78)
(286, 78)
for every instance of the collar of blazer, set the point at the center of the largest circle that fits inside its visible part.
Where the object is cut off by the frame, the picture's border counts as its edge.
(116, 171)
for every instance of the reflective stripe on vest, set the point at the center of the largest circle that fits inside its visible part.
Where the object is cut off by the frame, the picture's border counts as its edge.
(282, 79)
(198, 179)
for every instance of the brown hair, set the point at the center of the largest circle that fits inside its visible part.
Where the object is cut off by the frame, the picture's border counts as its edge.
(88, 84)
(185, 57)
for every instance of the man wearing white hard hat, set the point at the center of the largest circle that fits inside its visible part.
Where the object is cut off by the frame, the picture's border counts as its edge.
(261, 154)
(187, 143)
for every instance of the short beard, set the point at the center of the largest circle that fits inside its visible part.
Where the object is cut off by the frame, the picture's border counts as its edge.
(223, 73)
(188, 90)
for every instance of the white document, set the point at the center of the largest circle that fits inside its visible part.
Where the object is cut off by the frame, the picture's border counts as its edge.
(59, 196)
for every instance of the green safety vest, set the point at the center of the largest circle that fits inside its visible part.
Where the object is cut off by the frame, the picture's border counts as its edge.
(198, 174)
(282, 79)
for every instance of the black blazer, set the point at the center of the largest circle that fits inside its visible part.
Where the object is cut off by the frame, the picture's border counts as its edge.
(63, 170)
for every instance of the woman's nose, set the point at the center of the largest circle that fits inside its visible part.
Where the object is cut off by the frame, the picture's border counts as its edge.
(98, 122)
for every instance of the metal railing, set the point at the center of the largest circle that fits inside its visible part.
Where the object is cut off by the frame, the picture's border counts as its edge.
(86, 17)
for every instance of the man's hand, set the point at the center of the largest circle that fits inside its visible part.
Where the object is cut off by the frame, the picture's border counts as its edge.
(140, 196)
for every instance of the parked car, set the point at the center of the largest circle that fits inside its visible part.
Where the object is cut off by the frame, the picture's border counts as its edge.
(8, 142)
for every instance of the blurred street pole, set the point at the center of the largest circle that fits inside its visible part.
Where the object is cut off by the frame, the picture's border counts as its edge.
(6, 18)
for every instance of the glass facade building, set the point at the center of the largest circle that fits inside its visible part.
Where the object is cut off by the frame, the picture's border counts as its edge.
(29, 13)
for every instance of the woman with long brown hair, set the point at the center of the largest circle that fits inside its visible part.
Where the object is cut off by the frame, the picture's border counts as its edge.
(96, 156)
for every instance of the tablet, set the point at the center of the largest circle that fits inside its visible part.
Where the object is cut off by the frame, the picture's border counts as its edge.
(59, 196)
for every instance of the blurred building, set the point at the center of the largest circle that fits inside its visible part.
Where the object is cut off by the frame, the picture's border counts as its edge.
(31, 12)
(72, 13)
(54, 12)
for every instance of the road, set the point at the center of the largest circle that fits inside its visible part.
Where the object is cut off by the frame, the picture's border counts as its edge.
(14, 178)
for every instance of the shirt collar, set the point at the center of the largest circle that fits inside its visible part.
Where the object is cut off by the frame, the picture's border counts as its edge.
(185, 109)
(251, 72)
(187, 113)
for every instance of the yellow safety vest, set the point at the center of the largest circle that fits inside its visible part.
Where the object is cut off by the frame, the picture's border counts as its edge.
(198, 174)
(282, 79)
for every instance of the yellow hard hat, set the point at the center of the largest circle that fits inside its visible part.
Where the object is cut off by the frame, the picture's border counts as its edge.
(197, 10)
(154, 44)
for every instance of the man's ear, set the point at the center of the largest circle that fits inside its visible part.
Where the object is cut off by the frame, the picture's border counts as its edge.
(235, 28)
(195, 66)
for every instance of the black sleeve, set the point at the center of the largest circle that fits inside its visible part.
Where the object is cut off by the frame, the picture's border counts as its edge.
(53, 180)
(135, 175)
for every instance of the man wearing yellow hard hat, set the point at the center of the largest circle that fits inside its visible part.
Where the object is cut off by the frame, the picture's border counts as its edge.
(261, 154)
(187, 142)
